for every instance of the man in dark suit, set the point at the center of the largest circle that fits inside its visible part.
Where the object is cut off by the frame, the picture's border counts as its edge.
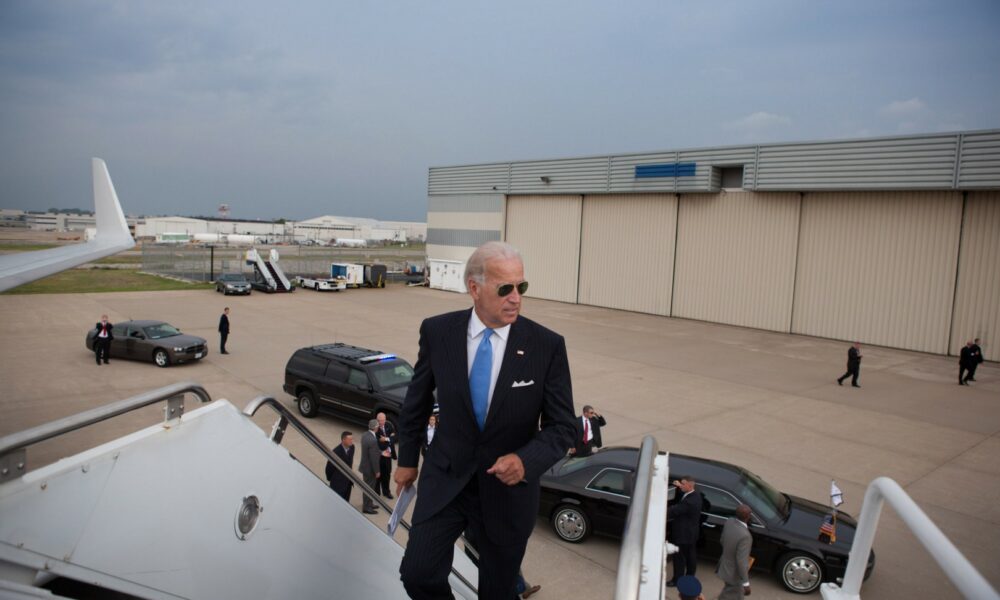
(504, 383)
(224, 330)
(853, 365)
(684, 527)
(734, 563)
(966, 362)
(339, 482)
(977, 357)
(102, 340)
(369, 466)
(588, 432)
(387, 446)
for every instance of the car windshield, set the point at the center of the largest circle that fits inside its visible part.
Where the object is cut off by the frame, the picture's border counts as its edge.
(392, 374)
(762, 498)
(155, 332)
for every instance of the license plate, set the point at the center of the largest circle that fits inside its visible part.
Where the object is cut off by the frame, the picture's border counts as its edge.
(198, 355)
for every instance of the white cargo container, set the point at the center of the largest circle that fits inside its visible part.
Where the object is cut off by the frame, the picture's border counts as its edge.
(447, 275)
(353, 275)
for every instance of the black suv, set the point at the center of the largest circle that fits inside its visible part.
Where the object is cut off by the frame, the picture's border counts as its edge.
(350, 382)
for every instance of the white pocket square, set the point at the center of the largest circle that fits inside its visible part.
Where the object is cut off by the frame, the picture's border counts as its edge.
(523, 383)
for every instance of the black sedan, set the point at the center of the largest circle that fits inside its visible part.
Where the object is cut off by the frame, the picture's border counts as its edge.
(581, 496)
(152, 341)
(232, 283)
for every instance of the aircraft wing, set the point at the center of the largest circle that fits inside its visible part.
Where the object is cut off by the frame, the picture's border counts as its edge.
(112, 237)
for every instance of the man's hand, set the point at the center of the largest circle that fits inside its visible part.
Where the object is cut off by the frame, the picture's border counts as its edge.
(572, 451)
(378, 475)
(405, 477)
(508, 469)
(746, 590)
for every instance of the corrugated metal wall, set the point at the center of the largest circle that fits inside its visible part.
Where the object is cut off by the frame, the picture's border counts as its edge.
(736, 258)
(878, 267)
(546, 229)
(896, 164)
(627, 252)
(980, 160)
(977, 296)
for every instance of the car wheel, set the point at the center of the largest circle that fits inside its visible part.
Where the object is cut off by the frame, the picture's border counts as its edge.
(307, 404)
(570, 523)
(799, 572)
(161, 358)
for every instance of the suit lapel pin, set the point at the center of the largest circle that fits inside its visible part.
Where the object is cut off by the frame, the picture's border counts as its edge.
(520, 352)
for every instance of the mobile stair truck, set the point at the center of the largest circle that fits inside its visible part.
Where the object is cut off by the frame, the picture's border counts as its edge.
(267, 274)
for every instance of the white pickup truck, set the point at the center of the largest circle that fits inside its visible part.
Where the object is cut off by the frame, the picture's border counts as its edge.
(320, 285)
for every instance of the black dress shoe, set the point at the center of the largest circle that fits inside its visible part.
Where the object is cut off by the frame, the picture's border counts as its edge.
(855, 385)
(370, 512)
(389, 496)
(107, 363)
(840, 382)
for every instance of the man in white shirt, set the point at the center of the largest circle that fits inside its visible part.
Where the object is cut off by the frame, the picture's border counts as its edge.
(588, 432)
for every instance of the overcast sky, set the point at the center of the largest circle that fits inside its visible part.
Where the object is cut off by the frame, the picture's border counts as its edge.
(298, 109)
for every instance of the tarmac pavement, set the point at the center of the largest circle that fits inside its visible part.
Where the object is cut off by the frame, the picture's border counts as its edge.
(767, 401)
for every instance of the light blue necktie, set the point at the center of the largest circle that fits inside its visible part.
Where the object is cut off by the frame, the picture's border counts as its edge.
(479, 378)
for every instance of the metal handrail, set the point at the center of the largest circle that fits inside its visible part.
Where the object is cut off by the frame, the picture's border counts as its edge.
(958, 568)
(15, 443)
(288, 418)
(634, 540)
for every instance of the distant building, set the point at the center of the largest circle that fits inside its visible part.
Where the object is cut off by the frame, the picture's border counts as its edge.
(889, 241)
(317, 230)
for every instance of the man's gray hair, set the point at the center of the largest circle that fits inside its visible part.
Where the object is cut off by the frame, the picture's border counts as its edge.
(475, 268)
(373, 425)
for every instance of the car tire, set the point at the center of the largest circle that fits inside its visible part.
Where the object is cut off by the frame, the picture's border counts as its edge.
(161, 358)
(570, 523)
(799, 572)
(307, 404)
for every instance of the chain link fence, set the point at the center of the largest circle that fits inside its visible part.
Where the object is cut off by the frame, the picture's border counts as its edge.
(203, 263)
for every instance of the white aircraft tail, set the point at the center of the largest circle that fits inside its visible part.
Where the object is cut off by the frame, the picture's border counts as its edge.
(112, 237)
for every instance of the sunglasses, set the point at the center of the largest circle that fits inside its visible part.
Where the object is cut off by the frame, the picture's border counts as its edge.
(506, 288)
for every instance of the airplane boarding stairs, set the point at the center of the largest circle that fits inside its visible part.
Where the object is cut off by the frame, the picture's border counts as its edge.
(202, 505)
(268, 276)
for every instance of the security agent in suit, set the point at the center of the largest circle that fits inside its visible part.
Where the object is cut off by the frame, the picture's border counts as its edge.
(102, 340)
(387, 446)
(853, 365)
(369, 465)
(684, 527)
(223, 330)
(482, 471)
(734, 563)
(588, 432)
(338, 481)
(977, 357)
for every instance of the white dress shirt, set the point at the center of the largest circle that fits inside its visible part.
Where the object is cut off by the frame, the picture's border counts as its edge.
(499, 343)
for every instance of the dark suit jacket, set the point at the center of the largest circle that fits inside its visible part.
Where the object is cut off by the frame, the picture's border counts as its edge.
(338, 481)
(595, 429)
(685, 519)
(223, 324)
(853, 358)
(965, 357)
(389, 432)
(97, 329)
(535, 359)
(977, 354)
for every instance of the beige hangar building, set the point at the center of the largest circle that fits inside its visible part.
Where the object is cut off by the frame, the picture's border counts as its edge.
(891, 241)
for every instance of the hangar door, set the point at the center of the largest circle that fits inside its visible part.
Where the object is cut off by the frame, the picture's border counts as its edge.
(977, 295)
(546, 229)
(627, 251)
(878, 267)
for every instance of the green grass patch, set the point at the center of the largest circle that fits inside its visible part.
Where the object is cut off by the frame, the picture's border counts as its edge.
(78, 281)
(26, 247)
